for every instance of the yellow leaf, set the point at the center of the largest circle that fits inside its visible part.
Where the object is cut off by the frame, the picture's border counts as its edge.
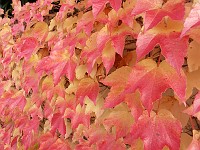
(193, 80)
(193, 56)
(80, 71)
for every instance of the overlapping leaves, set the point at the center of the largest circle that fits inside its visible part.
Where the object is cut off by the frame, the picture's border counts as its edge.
(69, 80)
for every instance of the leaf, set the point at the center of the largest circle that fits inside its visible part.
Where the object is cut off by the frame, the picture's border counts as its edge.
(80, 71)
(152, 81)
(118, 84)
(108, 56)
(113, 79)
(58, 123)
(158, 130)
(39, 31)
(192, 20)
(85, 23)
(195, 145)
(104, 44)
(87, 87)
(185, 141)
(134, 103)
(48, 141)
(13, 100)
(77, 117)
(156, 10)
(121, 120)
(172, 104)
(97, 5)
(193, 56)
(27, 47)
(59, 63)
(111, 143)
(193, 81)
(194, 109)
(173, 48)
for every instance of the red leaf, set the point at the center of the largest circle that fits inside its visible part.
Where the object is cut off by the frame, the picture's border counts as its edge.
(77, 118)
(104, 44)
(192, 20)
(58, 123)
(97, 5)
(162, 78)
(116, 5)
(157, 131)
(59, 63)
(173, 48)
(27, 47)
(155, 10)
(87, 87)
(13, 100)
(111, 143)
(48, 141)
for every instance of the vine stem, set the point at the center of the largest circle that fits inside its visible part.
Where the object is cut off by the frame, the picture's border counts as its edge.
(192, 123)
(158, 107)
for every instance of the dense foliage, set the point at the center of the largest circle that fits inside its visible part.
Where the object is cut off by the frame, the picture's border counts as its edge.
(100, 75)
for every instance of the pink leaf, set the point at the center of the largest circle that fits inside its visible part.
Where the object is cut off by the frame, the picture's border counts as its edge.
(195, 145)
(26, 47)
(192, 20)
(157, 131)
(162, 78)
(58, 123)
(173, 48)
(155, 10)
(97, 5)
(77, 118)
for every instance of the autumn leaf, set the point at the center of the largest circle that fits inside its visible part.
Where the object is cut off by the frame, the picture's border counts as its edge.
(193, 56)
(157, 130)
(195, 107)
(104, 45)
(192, 82)
(39, 31)
(156, 10)
(172, 105)
(97, 5)
(26, 47)
(58, 123)
(48, 141)
(173, 48)
(87, 87)
(77, 117)
(192, 20)
(118, 85)
(13, 100)
(162, 78)
(121, 120)
(134, 103)
(195, 145)
(58, 63)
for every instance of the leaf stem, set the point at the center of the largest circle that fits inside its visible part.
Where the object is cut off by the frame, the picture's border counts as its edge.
(159, 58)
